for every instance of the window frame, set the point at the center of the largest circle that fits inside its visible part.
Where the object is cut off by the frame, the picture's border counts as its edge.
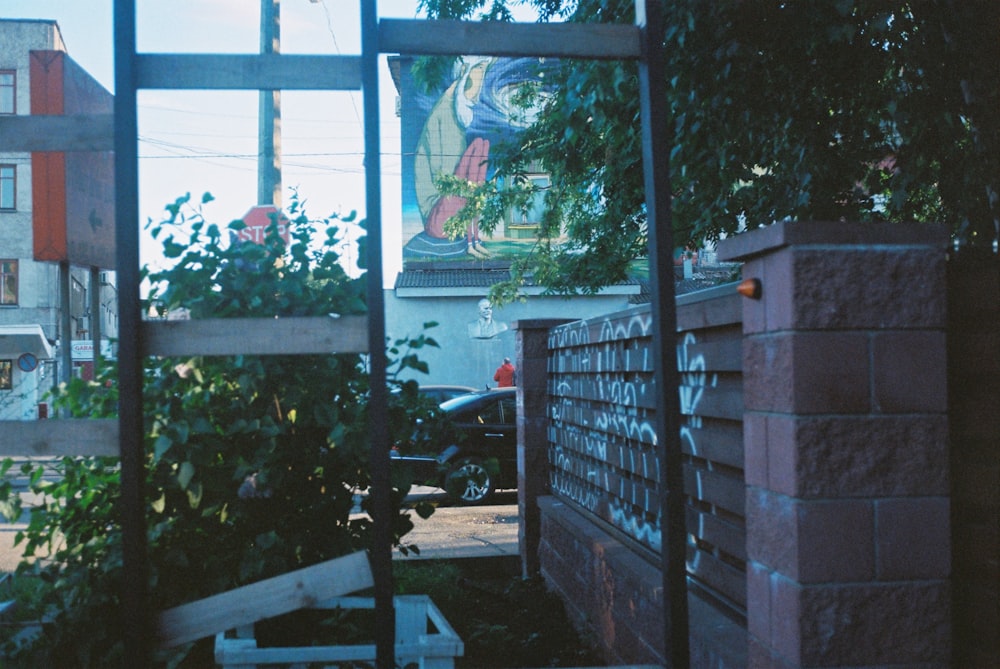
(13, 186)
(13, 91)
(6, 265)
(6, 374)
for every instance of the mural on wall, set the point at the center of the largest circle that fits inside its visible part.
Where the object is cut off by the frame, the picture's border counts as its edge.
(450, 130)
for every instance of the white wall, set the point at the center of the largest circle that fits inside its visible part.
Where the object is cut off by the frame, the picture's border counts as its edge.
(461, 359)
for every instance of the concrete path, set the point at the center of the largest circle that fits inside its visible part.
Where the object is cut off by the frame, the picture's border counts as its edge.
(466, 531)
(451, 532)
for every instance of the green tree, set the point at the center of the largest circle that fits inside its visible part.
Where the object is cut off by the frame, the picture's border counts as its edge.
(254, 463)
(866, 110)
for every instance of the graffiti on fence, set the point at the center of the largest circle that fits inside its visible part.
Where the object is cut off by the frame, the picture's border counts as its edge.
(605, 401)
(694, 379)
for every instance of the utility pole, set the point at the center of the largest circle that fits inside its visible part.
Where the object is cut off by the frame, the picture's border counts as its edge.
(269, 117)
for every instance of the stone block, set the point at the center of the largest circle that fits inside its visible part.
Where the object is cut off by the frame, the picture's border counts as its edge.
(783, 447)
(811, 541)
(786, 618)
(914, 538)
(759, 600)
(909, 371)
(767, 368)
(861, 625)
(858, 456)
(755, 449)
(771, 530)
(835, 541)
(807, 373)
(873, 624)
(868, 287)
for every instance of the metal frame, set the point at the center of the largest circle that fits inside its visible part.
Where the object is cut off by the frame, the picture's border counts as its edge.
(643, 42)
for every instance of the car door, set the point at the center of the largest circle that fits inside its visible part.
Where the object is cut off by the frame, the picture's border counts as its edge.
(490, 429)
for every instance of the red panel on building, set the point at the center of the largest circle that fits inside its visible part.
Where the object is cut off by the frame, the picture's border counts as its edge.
(72, 192)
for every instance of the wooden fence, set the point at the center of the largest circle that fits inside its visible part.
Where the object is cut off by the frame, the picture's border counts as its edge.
(602, 440)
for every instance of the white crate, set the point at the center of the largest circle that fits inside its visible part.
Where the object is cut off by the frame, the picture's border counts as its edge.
(423, 638)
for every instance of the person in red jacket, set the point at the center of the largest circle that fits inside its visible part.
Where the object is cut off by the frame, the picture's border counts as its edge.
(504, 375)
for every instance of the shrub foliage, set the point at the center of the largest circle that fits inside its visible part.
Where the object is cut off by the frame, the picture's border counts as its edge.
(254, 463)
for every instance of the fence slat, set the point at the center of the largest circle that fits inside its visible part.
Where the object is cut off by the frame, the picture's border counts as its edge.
(264, 599)
(59, 437)
(256, 336)
(248, 72)
(467, 38)
(76, 132)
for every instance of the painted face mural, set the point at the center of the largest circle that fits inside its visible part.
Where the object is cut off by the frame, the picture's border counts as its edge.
(450, 131)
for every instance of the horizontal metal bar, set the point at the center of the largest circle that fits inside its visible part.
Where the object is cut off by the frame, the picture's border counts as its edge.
(599, 41)
(77, 132)
(256, 336)
(200, 71)
(72, 437)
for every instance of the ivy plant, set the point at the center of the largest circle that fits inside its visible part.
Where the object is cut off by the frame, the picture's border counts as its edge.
(254, 464)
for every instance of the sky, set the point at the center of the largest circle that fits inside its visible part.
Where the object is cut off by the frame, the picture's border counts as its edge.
(206, 141)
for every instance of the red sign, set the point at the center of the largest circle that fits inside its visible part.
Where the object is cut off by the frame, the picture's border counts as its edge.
(257, 221)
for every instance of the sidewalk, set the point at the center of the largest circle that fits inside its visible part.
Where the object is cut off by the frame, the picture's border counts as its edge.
(451, 532)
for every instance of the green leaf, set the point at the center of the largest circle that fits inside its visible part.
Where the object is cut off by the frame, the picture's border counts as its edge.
(194, 494)
(184, 474)
(161, 446)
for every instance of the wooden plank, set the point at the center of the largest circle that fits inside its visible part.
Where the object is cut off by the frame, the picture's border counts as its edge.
(723, 491)
(724, 308)
(718, 576)
(722, 534)
(60, 437)
(248, 72)
(723, 355)
(720, 397)
(256, 336)
(615, 391)
(264, 599)
(77, 132)
(715, 440)
(597, 41)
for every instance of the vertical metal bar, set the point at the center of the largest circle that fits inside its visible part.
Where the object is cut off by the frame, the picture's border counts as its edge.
(269, 115)
(94, 322)
(136, 617)
(65, 325)
(656, 142)
(381, 555)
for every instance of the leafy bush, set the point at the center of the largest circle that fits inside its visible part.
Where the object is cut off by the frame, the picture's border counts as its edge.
(254, 463)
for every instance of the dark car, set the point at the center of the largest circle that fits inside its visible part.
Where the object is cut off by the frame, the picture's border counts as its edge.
(478, 455)
(442, 393)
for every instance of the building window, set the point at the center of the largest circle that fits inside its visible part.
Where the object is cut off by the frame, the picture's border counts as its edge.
(7, 80)
(6, 374)
(8, 187)
(8, 282)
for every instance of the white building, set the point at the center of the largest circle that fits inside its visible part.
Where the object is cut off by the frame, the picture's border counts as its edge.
(56, 228)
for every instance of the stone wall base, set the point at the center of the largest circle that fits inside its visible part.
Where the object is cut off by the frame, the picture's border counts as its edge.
(615, 597)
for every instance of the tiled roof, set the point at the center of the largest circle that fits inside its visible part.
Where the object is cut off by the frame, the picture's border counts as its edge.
(451, 278)
(471, 275)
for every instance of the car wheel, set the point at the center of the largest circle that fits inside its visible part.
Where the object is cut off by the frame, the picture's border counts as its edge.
(469, 482)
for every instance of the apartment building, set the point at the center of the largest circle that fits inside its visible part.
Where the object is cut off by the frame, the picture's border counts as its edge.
(58, 301)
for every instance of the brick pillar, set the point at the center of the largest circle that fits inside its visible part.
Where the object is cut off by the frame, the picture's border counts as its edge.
(532, 350)
(845, 437)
